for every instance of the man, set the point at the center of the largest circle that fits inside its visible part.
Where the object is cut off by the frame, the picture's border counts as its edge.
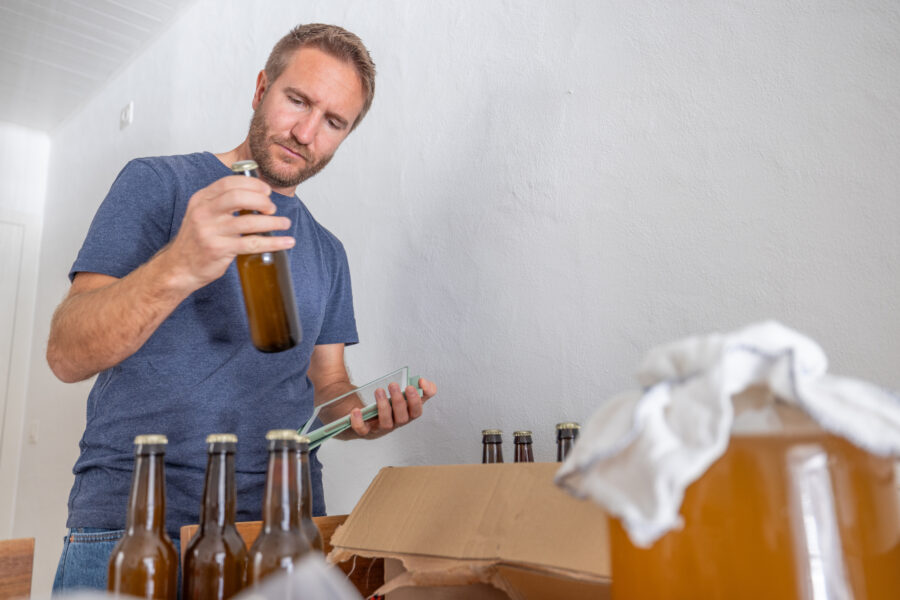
(155, 306)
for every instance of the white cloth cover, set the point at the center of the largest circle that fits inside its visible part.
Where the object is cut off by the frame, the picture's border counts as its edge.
(640, 451)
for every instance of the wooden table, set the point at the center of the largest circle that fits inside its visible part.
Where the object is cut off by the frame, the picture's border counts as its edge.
(16, 561)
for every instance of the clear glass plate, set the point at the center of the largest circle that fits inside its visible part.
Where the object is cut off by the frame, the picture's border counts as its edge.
(363, 396)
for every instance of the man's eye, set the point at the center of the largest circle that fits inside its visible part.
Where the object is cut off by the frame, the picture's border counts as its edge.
(334, 124)
(298, 101)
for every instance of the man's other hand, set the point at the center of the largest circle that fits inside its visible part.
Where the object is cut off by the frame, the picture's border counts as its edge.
(402, 408)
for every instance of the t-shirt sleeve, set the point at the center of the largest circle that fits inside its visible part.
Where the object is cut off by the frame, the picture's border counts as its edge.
(133, 222)
(339, 324)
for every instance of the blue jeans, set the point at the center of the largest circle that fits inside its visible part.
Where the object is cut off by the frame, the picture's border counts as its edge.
(85, 559)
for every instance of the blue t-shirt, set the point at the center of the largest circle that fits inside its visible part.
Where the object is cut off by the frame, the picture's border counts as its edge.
(199, 373)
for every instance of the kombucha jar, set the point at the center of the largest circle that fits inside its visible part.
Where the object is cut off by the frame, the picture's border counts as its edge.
(779, 516)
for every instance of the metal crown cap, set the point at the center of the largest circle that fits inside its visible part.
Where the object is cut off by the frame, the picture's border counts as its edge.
(568, 425)
(244, 165)
(521, 433)
(151, 438)
(282, 434)
(221, 437)
(491, 432)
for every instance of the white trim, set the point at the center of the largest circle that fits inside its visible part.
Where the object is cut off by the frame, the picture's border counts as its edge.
(20, 361)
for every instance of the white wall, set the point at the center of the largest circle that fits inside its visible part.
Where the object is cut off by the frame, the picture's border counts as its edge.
(541, 192)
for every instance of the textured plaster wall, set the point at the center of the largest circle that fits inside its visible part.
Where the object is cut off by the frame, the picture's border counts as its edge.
(541, 192)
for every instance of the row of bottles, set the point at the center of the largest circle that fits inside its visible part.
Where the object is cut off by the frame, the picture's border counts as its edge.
(492, 443)
(217, 563)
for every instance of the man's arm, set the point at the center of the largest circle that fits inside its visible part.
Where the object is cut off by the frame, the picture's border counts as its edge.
(329, 375)
(104, 320)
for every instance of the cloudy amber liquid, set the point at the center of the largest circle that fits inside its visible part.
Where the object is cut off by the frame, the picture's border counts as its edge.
(776, 517)
(269, 300)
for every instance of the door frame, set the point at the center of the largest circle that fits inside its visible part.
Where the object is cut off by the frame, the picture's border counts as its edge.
(13, 421)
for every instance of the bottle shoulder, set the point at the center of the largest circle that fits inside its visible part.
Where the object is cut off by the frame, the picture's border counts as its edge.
(280, 542)
(215, 540)
(142, 544)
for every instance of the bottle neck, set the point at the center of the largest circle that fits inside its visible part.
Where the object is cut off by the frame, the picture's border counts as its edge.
(304, 482)
(219, 493)
(492, 452)
(147, 502)
(563, 445)
(524, 452)
(279, 504)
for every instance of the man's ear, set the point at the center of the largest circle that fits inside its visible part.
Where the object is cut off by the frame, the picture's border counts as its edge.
(262, 84)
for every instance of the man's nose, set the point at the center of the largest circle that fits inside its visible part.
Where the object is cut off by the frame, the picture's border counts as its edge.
(305, 129)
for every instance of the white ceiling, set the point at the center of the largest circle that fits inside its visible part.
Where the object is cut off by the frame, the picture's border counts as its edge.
(56, 54)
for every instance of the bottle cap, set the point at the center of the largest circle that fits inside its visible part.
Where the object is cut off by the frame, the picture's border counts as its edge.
(522, 433)
(221, 437)
(282, 434)
(302, 439)
(491, 432)
(244, 165)
(150, 438)
(568, 425)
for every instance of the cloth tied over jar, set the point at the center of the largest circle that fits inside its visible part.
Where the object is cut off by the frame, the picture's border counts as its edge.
(641, 449)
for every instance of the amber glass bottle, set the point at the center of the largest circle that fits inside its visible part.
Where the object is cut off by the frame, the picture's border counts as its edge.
(268, 291)
(281, 541)
(566, 434)
(524, 452)
(215, 559)
(304, 498)
(144, 562)
(492, 446)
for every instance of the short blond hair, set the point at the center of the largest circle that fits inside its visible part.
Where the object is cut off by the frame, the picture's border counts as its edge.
(332, 40)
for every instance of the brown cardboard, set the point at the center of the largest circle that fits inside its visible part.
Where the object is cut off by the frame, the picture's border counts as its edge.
(505, 525)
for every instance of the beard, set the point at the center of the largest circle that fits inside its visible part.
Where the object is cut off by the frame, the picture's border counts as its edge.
(270, 169)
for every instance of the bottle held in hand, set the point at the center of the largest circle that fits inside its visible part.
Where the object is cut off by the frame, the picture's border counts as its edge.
(268, 290)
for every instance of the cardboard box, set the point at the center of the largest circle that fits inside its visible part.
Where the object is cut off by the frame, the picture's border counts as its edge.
(478, 531)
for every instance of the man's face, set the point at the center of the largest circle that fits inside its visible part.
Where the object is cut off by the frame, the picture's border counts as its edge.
(301, 118)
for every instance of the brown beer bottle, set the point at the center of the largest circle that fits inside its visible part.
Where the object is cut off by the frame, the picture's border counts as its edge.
(492, 446)
(144, 562)
(281, 541)
(215, 559)
(304, 498)
(566, 434)
(268, 290)
(523, 448)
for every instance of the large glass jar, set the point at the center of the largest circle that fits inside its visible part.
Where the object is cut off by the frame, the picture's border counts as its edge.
(799, 515)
